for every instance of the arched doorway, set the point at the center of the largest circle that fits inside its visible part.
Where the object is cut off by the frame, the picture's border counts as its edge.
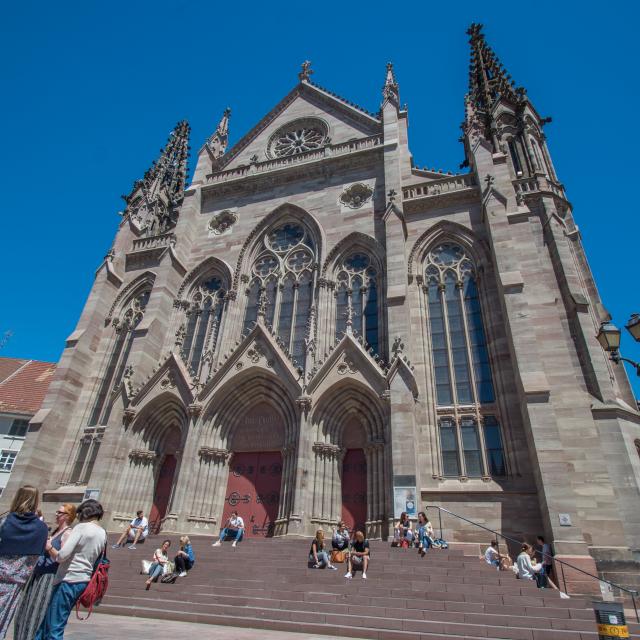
(255, 471)
(354, 477)
(165, 479)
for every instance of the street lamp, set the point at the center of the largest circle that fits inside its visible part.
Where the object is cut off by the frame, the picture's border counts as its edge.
(609, 339)
(633, 326)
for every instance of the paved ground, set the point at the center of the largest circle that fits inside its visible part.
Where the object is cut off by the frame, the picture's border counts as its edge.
(105, 627)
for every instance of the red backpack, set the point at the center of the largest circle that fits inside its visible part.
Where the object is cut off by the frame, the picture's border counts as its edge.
(97, 587)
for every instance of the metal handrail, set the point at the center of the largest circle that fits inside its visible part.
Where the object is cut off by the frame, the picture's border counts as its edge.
(632, 592)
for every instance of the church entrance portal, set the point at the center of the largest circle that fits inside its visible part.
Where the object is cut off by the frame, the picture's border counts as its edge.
(253, 490)
(255, 472)
(354, 490)
(162, 494)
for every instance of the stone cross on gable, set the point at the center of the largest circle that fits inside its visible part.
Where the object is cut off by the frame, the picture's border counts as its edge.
(306, 71)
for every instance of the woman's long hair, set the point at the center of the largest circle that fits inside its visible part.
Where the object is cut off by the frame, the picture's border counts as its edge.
(319, 539)
(26, 500)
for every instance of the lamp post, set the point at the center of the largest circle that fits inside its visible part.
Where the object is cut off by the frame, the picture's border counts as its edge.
(609, 339)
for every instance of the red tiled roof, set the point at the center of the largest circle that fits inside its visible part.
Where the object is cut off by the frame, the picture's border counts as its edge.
(24, 384)
(9, 366)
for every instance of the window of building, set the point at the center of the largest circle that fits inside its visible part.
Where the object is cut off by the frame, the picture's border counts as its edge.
(19, 428)
(204, 315)
(124, 325)
(7, 458)
(357, 296)
(283, 279)
(461, 366)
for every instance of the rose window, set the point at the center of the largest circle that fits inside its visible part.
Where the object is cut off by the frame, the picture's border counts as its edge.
(299, 136)
(299, 141)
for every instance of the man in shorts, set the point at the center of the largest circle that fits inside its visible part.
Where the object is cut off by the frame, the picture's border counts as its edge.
(138, 529)
(233, 527)
(359, 555)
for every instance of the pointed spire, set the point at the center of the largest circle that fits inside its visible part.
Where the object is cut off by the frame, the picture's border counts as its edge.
(305, 71)
(390, 91)
(488, 79)
(217, 143)
(153, 201)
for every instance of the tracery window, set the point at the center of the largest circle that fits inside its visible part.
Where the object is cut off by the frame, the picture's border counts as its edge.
(357, 297)
(283, 276)
(299, 136)
(461, 368)
(124, 326)
(202, 327)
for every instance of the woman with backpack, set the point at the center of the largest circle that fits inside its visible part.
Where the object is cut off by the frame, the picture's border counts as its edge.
(37, 592)
(23, 537)
(76, 560)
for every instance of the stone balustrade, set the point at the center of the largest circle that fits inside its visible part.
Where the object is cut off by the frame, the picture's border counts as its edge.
(329, 151)
(154, 242)
(439, 187)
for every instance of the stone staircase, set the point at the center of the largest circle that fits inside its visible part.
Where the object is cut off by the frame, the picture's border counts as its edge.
(266, 584)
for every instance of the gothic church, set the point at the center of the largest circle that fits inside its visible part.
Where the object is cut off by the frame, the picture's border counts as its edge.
(314, 328)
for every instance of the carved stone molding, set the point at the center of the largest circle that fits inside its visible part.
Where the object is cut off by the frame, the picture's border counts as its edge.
(356, 195)
(211, 453)
(128, 415)
(347, 366)
(142, 455)
(328, 451)
(194, 410)
(169, 381)
(222, 222)
(304, 402)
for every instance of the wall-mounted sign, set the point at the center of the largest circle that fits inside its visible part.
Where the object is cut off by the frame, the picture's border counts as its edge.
(404, 499)
(565, 519)
(91, 494)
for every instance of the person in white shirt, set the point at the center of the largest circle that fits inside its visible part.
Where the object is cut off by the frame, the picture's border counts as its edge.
(160, 559)
(76, 560)
(233, 527)
(527, 570)
(493, 557)
(138, 529)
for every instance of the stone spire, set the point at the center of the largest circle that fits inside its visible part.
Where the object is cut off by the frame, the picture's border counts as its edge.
(489, 82)
(217, 143)
(390, 90)
(153, 203)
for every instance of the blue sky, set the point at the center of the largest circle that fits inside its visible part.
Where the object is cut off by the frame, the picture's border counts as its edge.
(91, 91)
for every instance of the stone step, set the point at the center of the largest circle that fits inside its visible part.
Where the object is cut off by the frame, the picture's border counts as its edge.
(331, 623)
(349, 606)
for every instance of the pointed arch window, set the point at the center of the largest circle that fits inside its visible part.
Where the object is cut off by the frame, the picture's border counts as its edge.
(124, 326)
(461, 366)
(284, 275)
(357, 296)
(202, 327)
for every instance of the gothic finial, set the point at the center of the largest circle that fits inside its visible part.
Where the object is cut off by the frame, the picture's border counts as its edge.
(390, 90)
(488, 79)
(305, 71)
(153, 202)
(217, 143)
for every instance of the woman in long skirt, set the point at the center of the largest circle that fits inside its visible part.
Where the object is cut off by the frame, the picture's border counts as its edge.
(37, 592)
(22, 541)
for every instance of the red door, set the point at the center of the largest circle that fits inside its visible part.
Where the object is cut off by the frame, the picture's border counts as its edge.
(354, 490)
(253, 490)
(162, 494)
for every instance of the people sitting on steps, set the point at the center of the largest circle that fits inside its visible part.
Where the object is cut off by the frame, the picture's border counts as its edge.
(185, 558)
(138, 529)
(424, 534)
(359, 555)
(402, 533)
(527, 569)
(160, 559)
(340, 538)
(544, 555)
(318, 557)
(233, 527)
(493, 557)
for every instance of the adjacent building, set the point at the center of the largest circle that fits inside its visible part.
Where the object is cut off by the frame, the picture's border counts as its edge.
(23, 386)
(315, 328)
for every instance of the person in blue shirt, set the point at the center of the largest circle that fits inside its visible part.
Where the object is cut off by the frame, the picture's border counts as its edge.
(185, 559)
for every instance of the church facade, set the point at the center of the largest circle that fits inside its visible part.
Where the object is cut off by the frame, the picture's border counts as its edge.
(314, 328)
